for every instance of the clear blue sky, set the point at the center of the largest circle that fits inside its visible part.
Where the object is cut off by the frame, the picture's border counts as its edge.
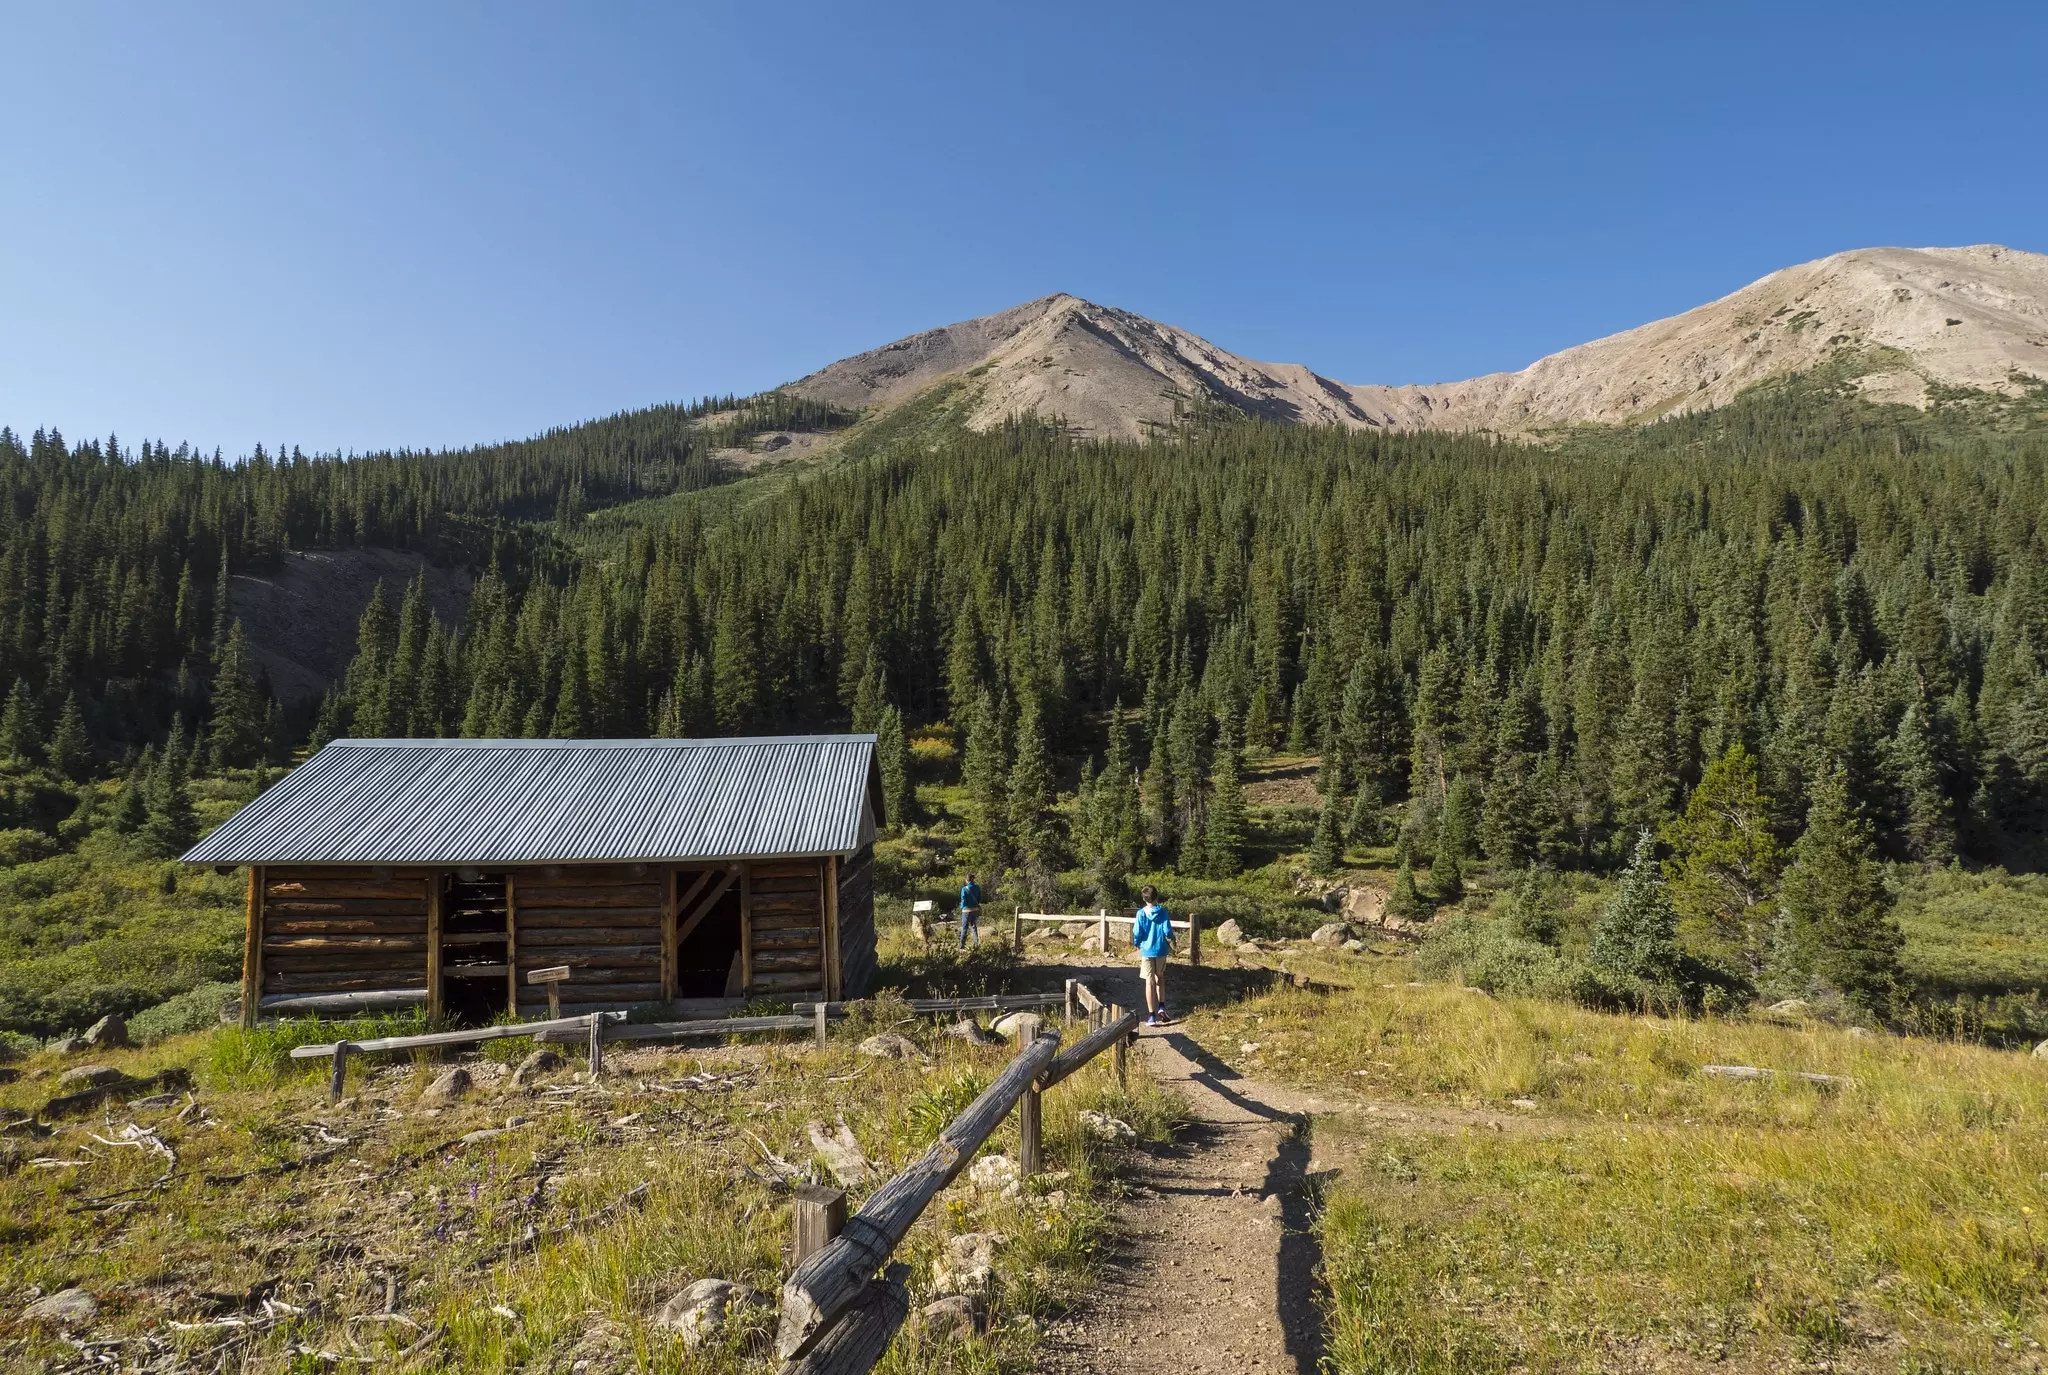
(353, 226)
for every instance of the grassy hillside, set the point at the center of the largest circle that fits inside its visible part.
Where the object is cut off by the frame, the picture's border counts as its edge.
(1545, 1188)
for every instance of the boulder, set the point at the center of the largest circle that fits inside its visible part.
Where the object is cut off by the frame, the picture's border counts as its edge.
(1075, 929)
(542, 1061)
(1230, 933)
(969, 1030)
(1334, 933)
(2041, 1051)
(1791, 1007)
(703, 1310)
(71, 1045)
(65, 1308)
(1860, 1032)
(993, 1174)
(1006, 1025)
(967, 1263)
(950, 1318)
(108, 1033)
(887, 1045)
(1106, 1128)
(449, 1087)
(88, 1077)
(1354, 947)
(1092, 943)
(1365, 906)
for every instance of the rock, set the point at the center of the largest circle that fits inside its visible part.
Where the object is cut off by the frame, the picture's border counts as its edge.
(702, 1311)
(1791, 1007)
(1525, 1104)
(1248, 947)
(2041, 1051)
(1333, 900)
(993, 1174)
(1365, 906)
(966, 1264)
(887, 1045)
(1106, 1128)
(840, 1150)
(108, 1033)
(1092, 943)
(969, 1030)
(88, 1077)
(65, 1308)
(541, 1062)
(1075, 929)
(1006, 1025)
(1354, 947)
(1335, 933)
(1230, 933)
(452, 1084)
(950, 1318)
(71, 1045)
(482, 1135)
(1860, 1032)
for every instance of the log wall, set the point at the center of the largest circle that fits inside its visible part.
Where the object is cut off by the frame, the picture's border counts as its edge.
(602, 920)
(342, 930)
(785, 912)
(857, 958)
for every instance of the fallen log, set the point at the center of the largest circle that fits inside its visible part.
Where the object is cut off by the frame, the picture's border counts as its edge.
(1754, 1072)
(827, 1284)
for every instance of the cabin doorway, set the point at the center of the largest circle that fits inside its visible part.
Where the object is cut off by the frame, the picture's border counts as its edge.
(475, 945)
(707, 931)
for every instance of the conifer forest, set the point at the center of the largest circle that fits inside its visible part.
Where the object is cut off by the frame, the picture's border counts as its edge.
(1781, 644)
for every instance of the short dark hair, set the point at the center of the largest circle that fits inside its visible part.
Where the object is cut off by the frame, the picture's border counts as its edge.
(1149, 893)
(970, 876)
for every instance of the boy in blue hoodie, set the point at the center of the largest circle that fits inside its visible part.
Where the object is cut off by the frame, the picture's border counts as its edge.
(1152, 934)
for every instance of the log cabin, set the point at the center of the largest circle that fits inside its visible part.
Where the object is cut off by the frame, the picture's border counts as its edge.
(442, 873)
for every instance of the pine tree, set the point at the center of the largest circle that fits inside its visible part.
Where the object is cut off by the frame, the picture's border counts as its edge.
(985, 770)
(892, 757)
(1226, 830)
(71, 746)
(1326, 846)
(1406, 903)
(235, 736)
(21, 724)
(1635, 941)
(131, 807)
(170, 826)
(1458, 832)
(1031, 822)
(1367, 824)
(1835, 928)
(1927, 821)
(1724, 865)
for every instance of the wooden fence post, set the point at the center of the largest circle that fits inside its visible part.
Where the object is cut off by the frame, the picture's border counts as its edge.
(815, 1219)
(1028, 1114)
(1102, 928)
(596, 1044)
(1194, 939)
(1017, 932)
(1117, 1052)
(1073, 1007)
(818, 1012)
(339, 1076)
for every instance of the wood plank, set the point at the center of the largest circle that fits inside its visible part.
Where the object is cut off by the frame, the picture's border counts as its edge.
(788, 961)
(475, 971)
(511, 944)
(811, 982)
(287, 1005)
(434, 888)
(746, 927)
(789, 940)
(578, 895)
(558, 937)
(785, 868)
(348, 907)
(342, 926)
(668, 933)
(344, 941)
(335, 890)
(835, 980)
(535, 914)
(574, 954)
(786, 906)
(252, 948)
(811, 923)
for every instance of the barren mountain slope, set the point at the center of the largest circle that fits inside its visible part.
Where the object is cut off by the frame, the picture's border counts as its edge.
(1968, 317)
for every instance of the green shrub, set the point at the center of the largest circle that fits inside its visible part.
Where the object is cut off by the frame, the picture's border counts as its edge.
(197, 1010)
(1486, 953)
(24, 846)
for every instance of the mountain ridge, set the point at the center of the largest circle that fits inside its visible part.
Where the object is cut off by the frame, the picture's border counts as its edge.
(1914, 320)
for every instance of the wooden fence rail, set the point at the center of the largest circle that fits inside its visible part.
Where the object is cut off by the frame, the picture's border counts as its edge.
(837, 1318)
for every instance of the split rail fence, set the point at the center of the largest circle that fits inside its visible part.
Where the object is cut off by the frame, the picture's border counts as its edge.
(845, 1300)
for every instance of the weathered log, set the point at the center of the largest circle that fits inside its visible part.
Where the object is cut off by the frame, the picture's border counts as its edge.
(286, 1005)
(857, 1341)
(827, 1284)
(1086, 1049)
(452, 1038)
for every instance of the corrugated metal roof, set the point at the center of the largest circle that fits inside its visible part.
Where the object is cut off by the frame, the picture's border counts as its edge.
(557, 801)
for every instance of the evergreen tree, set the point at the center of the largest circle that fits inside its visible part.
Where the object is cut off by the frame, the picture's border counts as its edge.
(985, 770)
(1367, 824)
(1226, 828)
(1458, 831)
(240, 712)
(170, 825)
(1406, 903)
(131, 807)
(1835, 928)
(1724, 865)
(21, 724)
(892, 756)
(1031, 821)
(1326, 846)
(1635, 942)
(71, 746)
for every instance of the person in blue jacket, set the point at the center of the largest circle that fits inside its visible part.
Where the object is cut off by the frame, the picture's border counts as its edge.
(970, 911)
(1152, 934)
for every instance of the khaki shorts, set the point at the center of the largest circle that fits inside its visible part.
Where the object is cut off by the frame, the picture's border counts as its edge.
(1151, 966)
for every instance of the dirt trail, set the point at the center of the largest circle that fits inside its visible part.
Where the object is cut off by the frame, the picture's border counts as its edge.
(1213, 1264)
